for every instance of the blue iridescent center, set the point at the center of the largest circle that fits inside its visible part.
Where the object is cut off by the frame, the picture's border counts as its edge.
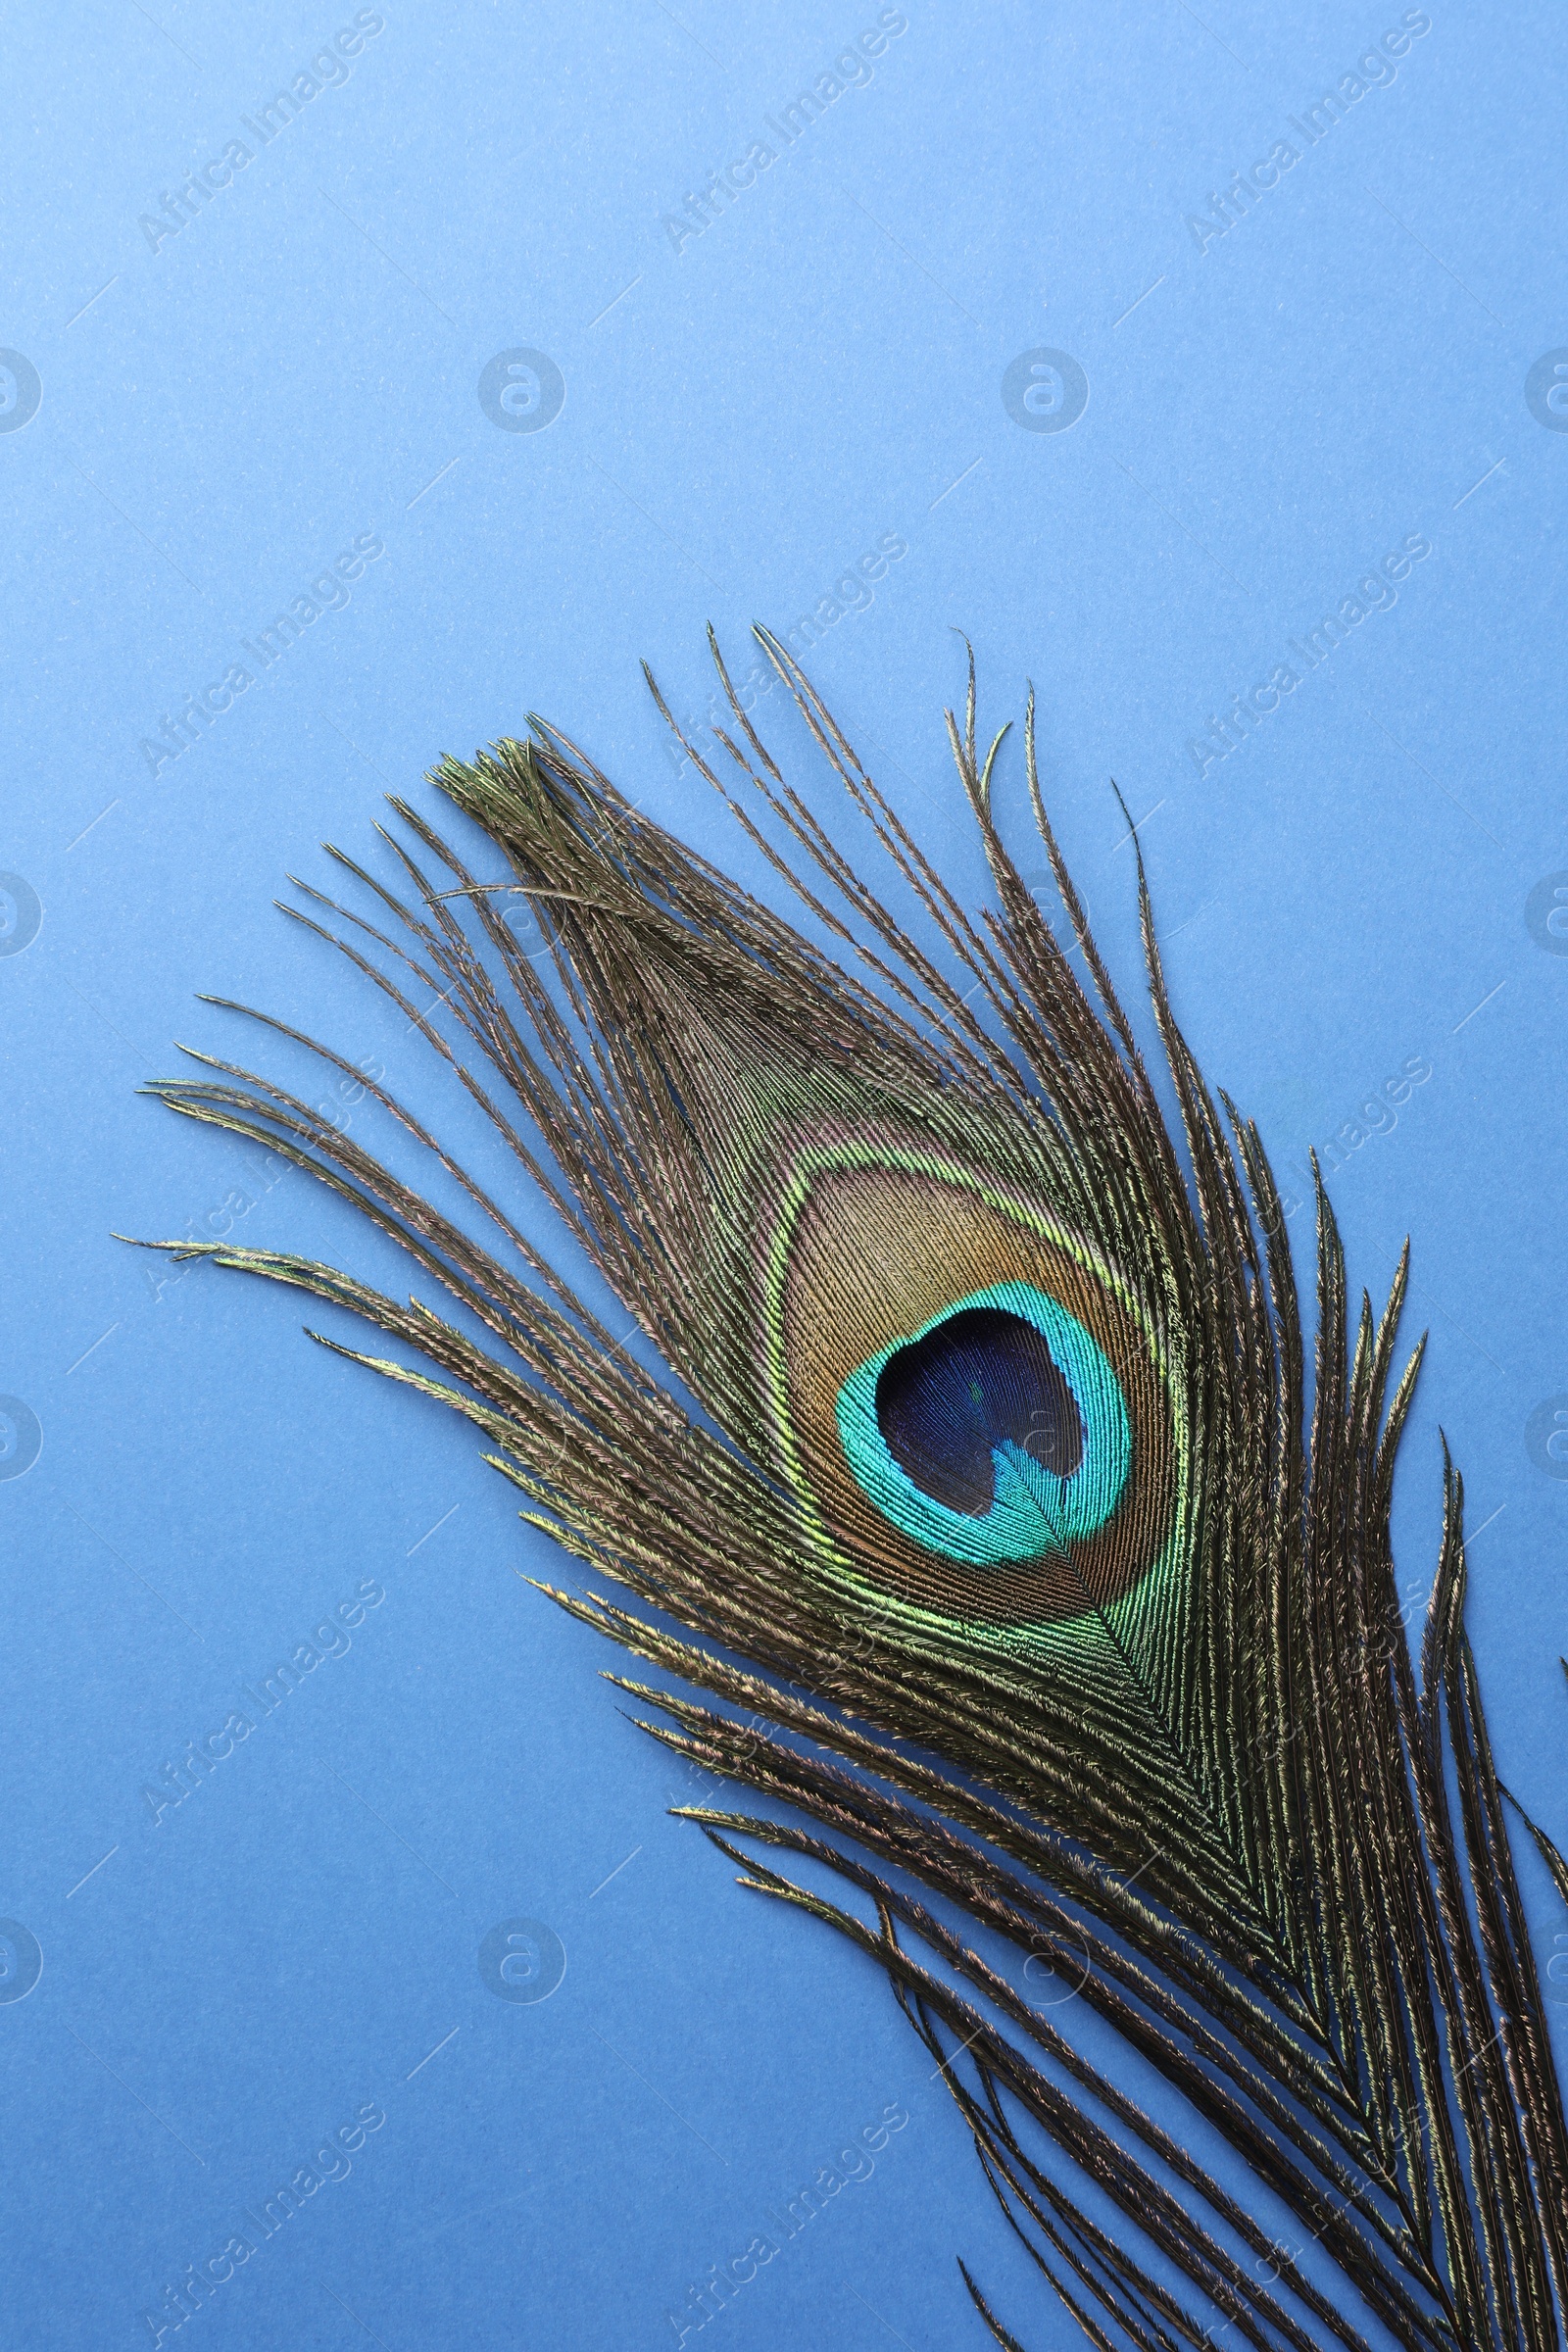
(996, 1432)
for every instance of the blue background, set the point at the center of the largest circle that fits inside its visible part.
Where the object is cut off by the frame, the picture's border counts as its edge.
(1271, 412)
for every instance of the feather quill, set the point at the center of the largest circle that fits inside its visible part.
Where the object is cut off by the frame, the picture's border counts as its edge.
(1007, 1563)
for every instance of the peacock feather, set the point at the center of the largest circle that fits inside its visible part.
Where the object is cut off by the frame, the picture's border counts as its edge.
(1009, 1561)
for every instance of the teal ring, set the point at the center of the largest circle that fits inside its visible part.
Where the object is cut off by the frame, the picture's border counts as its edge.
(1033, 1511)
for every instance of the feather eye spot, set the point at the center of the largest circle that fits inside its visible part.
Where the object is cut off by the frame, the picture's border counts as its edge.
(967, 1398)
(996, 1433)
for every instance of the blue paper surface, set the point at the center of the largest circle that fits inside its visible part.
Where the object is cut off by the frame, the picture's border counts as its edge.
(1213, 372)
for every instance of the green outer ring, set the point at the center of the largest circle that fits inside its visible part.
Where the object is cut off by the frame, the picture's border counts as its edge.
(1040, 1636)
